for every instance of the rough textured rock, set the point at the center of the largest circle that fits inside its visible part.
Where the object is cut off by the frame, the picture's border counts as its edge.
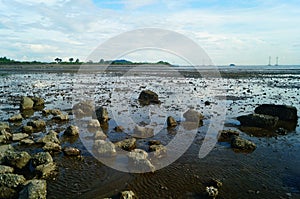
(93, 124)
(72, 131)
(158, 150)
(37, 125)
(61, 117)
(102, 114)
(258, 120)
(83, 109)
(11, 180)
(38, 103)
(148, 97)
(154, 142)
(104, 148)
(26, 103)
(7, 193)
(19, 136)
(283, 112)
(41, 158)
(4, 149)
(227, 135)
(16, 118)
(119, 129)
(171, 122)
(34, 189)
(51, 136)
(194, 117)
(27, 141)
(53, 112)
(138, 162)
(4, 126)
(46, 170)
(143, 132)
(6, 169)
(212, 191)
(127, 144)
(27, 129)
(52, 147)
(16, 159)
(128, 195)
(71, 151)
(242, 144)
(99, 135)
(5, 136)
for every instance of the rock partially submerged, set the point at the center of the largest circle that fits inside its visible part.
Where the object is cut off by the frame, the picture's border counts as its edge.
(41, 158)
(11, 180)
(16, 159)
(138, 162)
(227, 135)
(142, 132)
(242, 144)
(71, 151)
(19, 136)
(93, 124)
(158, 150)
(128, 195)
(212, 191)
(148, 97)
(283, 112)
(193, 116)
(34, 189)
(72, 131)
(31, 103)
(83, 109)
(171, 122)
(102, 114)
(258, 120)
(16, 118)
(127, 144)
(46, 170)
(104, 148)
(37, 125)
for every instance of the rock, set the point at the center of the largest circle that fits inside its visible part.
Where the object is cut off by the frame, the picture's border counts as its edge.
(102, 114)
(128, 195)
(27, 129)
(258, 120)
(158, 150)
(143, 132)
(27, 113)
(171, 122)
(7, 193)
(72, 131)
(194, 117)
(61, 117)
(138, 161)
(52, 147)
(11, 180)
(283, 112)
(51, 136)
(242, 144)
(19, 136)
(83, 109)
(38, 103)
(93, 124)
(16, 118)
(5, 136)
(154, 142)
(6, 169)
(104, 148)
(148, 97)
(17, 159)
(212, 191)
(34, 189)
(227, 135)
(27, 141)
(127, 144)
(99, 135)
(71, 151)
(53, 112)
(46, 170)
(37, 125)
(4, 126)
(206, 103)
(281, 131)
(216, 183)
(41, 158)
(119, 129)
(26, 103)
(4, 149)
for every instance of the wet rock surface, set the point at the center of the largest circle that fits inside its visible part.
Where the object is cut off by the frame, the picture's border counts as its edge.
(283, 112)
(258, 120)
(242, 144)
(148, 97)
(16, 159)
(127, 144)
(34, 189)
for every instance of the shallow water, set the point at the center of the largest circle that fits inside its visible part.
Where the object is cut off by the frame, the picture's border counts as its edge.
(271, 171)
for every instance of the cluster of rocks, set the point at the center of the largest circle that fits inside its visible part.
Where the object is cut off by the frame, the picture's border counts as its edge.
(212, 188)
(278, 119)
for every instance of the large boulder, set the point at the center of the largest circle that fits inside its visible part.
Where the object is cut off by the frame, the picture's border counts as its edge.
(16, 159)
(26, 103)
(194, 117)
(127, 144)
(242, 144)
(34, 189)
(11, 180)
(52, 147)
(148, 97)
(283, 112)
(258, 120)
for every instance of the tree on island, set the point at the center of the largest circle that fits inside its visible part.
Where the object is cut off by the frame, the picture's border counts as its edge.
(58, 60)
(71, 59)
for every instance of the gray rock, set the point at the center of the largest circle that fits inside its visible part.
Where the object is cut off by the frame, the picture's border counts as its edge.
(93, 124)
(193, 116)
(148, 97)
(104, 148)
(242, 144)
(41, 158)
(45, 170)
(26, 103)
(127, 144)
(158, 150)
(258, 120)
(99, 135)
(6, 169)
(61, 117)
(71, 151)
(283, 112)
(171, 122)
(128, 195)
(7, 193)
(27, 129)
(143, 132)
(51, 146)
(11, 180)
(16, 118)
(51, 136)
(138, 162)
(16, 159)
(227, 135)
(102, 114)
(37, 125)
(19, 136)
(34, 189)
(72, 131)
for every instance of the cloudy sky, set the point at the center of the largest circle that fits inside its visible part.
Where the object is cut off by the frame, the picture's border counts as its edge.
(230, 31)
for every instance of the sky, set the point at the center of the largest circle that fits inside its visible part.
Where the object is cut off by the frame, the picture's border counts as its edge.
(244, 32)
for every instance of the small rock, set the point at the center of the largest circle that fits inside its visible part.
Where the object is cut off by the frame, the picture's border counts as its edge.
(26, 103)
(46, 170)
(4, 149)
(193, 116)
(11, 180)
(99, 135)
(128, 195)
(37, 125)
(27, 129)
(102, 114)
(19, 136)
(93, 124)
(148, 97)
(61, 117)
(39, 103)
(6, 169)
(83, 109)
(242, 144)
(34, 189)
(53, 112)
(17, 159)
(71, 151)
(119, 129)
(41, 158)
(216, 183)
(281, 131)
(5, 136)
(104, 148)
(52, 147)
(7, 193)
(143, 132)
(206, 103)
(212, 191)
(4, 126)
(15, 118)
(158, 150)
(27, 141)
(258, 120)
(154, 142)
(227, 135)
(171, 122)
(138, 162)
(72, 131)
(127, 144)
(51, 136)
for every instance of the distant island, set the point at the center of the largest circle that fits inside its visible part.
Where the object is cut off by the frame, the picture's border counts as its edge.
(7, 61)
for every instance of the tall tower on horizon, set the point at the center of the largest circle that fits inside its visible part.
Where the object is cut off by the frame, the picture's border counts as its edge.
(276, 61)
(269, 61)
